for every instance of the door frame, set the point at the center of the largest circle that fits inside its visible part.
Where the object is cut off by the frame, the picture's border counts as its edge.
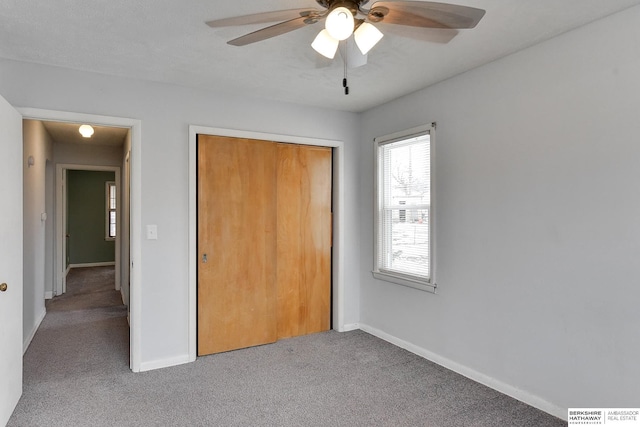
(60, 271)
(135, 225)
(337, 256)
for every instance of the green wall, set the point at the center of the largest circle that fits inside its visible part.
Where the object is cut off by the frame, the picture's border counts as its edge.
(86, 217)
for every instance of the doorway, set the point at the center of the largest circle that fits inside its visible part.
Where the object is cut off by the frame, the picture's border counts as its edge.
(88, 231)
(130, 163)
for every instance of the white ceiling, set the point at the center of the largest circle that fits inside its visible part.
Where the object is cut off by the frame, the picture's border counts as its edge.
(168, 41)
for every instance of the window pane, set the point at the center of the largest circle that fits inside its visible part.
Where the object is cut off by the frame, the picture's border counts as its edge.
(112, 224)
(406, 241)
(404, 206)
(112, 196)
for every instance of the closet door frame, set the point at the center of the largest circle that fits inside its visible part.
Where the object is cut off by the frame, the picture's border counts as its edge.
(338, 262)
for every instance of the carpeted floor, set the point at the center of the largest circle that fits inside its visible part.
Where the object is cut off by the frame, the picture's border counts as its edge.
(77, 374)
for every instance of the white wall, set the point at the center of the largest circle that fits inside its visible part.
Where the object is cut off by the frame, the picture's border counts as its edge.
(37, 144)
(538, 221)
(86, 154)
(166, 113)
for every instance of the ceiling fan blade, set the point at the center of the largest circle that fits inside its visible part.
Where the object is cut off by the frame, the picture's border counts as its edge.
(261, 18)
(272, 31)
(432, 35)
(425, 14)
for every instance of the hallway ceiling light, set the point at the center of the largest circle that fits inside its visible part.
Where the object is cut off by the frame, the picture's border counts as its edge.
(86, 131)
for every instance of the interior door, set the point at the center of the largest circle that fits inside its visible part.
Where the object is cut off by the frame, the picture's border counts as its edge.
(304, 240)
(236, 243)
(11, 166)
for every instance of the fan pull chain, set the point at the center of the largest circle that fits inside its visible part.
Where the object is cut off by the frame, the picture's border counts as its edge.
(345, 85)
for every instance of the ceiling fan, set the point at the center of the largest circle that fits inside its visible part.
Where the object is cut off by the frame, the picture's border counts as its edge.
(346, 17)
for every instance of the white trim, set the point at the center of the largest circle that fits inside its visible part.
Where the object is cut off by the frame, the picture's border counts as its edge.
(92, 264)
(164, 363)
(338, 217)
(396, 136)
(405, 281)
(509, 390)
(351, 327)
(135, 209)
(48, 295)
(32, 333)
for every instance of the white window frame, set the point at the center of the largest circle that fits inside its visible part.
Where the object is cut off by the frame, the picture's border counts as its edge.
(108, 210)
(417, 282)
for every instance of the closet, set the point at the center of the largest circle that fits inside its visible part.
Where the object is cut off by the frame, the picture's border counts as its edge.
(264, 242)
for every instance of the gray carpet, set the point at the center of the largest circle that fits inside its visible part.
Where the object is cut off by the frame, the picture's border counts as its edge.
(77, 374)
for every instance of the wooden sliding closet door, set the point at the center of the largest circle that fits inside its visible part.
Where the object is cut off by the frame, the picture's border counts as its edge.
(264, 242)
(237, 237)
(304, 240)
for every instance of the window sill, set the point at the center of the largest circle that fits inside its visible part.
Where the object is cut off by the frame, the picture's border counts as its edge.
(405, 281)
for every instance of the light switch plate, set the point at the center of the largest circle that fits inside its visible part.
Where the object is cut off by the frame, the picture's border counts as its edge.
(152, 232)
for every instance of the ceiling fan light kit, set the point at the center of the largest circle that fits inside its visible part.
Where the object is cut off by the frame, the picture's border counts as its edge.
(340, 23)
(366, 37)
(346, 17)
(339, 26)
(325, 45)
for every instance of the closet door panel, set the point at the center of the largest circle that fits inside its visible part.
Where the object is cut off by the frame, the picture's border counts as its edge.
(303, 239)
(237, 220)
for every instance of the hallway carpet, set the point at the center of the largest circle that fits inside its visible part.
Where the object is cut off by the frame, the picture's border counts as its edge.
(77, 374)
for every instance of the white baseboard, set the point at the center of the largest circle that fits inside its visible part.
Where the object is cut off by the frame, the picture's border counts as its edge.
(350, 327)
(509, 390)
(66, 272)
(32, 333)
(164, 363)
(91, 264)
(48, 295)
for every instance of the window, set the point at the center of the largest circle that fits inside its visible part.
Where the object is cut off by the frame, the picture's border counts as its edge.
(111, 211)
(404, 209)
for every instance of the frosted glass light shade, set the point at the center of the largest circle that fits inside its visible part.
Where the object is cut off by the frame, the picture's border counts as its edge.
(325, 45)
(86, 131)
(367, 36)
(340, 23)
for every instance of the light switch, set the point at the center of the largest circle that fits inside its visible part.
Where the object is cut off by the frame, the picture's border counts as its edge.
(152, 232)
